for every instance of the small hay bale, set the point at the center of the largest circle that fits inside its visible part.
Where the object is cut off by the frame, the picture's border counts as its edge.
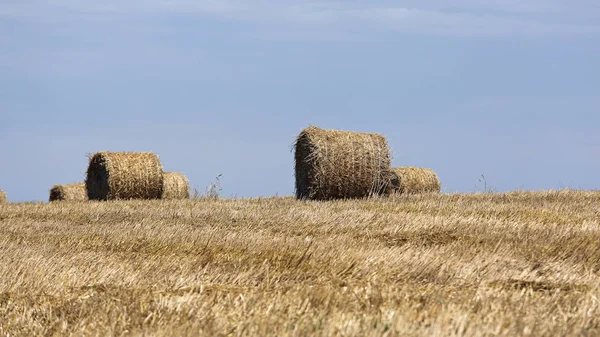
(71, 192)
(176, 186)
(332, 164)
(124, 175)
(413, 180)
(3, 198)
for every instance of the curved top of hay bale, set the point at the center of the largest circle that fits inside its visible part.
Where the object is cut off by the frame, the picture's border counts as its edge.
(333, 164)
(176, 186)
(3, 198)
(124, 175)
(412, 180)
(70, 192)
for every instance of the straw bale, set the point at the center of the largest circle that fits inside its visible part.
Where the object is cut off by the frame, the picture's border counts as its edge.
(70, 192)
(3, 198)
(176, 186)
(124, 175)
(413, 180)
(333, 164)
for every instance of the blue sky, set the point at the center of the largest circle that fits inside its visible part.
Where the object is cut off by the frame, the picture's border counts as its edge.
(507, 89)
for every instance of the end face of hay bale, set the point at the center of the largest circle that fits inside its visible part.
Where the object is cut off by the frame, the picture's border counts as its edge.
(176, 186)
(3, 198)
(70, 192)
(124, 175)
(333, 164)
(413, 180)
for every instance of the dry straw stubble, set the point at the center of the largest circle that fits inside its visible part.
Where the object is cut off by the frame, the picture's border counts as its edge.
(413, 180)
(333, 164)
(70, 192)
(124, 175)
(510, 264)
(176, 186)
(3, 198)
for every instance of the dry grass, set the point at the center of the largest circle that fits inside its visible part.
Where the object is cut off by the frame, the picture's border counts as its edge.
(70, 192)
(510, 264)
(332, 164)
(176, 186)
(124, 175)
(414, 180)
(3, 198)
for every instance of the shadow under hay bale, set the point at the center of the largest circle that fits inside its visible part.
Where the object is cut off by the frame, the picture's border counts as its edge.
(414, 180)
(332, 164)
(176, 186)
(70, 192)
(3, 198)
(124, 175)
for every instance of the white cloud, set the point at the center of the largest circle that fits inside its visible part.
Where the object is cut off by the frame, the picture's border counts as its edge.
(462, 24)
(442, 17)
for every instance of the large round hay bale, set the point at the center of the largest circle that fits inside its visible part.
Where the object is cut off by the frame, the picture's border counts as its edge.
(3, 198)
(70, 192)
(124, 175)
(176, 186)
(413, 180)
(332, 164)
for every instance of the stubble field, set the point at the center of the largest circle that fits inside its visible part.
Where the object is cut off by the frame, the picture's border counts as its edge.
(521, 263)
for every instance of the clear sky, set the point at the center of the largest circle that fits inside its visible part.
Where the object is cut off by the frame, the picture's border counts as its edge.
(504, 88)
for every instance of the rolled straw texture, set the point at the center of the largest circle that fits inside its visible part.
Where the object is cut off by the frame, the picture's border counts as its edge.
(413, 180)
(176, 186)
(70, 192)
(124, 175)
(333, 164)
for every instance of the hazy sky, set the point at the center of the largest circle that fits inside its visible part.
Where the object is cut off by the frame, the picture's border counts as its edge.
(504, 88)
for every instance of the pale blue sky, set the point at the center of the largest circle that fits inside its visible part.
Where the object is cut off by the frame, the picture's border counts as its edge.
(504, 88)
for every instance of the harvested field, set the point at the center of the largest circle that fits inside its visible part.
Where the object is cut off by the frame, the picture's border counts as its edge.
(176, 186)
(333, 164)
(70, 192)
(124, 175)
(415, 180)
(510, 264)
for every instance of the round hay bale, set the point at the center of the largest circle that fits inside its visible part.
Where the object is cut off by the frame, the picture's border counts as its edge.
(124, 175)
(70, 192)
(176, 186)
(413, 180)
(332, 164)
(3, 198)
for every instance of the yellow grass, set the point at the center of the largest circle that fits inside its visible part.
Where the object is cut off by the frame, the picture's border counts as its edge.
(511, 264)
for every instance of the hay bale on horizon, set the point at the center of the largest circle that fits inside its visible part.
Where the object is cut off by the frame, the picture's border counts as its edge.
(334, 164)
(3, 198)
(414, 180)
(176, 186)
(124, 175)
(69, 192)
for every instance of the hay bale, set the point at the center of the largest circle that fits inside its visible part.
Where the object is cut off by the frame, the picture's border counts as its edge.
(124, 175)
(3, 198)
(332, 164)
(71, 192)
(176, 186)
(413, 180)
